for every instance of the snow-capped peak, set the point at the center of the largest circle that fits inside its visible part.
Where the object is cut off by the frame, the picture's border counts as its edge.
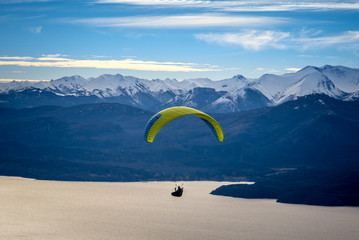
(336, 81)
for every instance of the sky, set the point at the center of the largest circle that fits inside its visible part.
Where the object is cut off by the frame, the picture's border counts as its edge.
(182, 39)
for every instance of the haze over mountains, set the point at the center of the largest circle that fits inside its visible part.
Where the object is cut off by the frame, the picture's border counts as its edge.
(228, 95)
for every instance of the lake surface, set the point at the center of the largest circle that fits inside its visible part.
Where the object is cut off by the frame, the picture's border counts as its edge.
(32, 209)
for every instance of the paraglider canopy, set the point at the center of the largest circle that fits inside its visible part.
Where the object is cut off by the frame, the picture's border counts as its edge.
(165, 116)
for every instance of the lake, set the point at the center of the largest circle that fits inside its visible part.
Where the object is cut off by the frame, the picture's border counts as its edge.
(32, 209)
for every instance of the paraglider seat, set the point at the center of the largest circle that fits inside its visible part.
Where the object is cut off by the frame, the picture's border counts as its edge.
(177, 193)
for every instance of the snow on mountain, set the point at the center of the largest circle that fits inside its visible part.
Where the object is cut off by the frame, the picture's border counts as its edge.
(274, 87)
(66, 86)
(353, 96)
(20, 86)
(232, 94)
(112, 85)
(346, 79)
(314, 83)
(336, 82)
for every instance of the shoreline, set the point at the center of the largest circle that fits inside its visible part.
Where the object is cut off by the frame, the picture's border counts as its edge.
(149, 181)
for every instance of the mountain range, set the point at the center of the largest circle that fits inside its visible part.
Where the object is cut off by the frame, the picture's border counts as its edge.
(314, 131)
(229, 95)
(295, 135)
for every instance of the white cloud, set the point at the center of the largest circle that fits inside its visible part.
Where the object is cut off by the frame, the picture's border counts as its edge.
(344, 38)
(36, 30)
(181, 21)
(15, 58)
(258, 40)
(307, 56)
(247, 6)
(129, 64)
(293, 69)
(232, 68)
(251, 40)
(54, 55)
(53, 59)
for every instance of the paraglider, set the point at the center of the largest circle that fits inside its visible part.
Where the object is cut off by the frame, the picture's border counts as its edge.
(165, 116)
(178, 191)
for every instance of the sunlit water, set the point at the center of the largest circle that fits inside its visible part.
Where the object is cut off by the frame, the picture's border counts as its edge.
(31, 209)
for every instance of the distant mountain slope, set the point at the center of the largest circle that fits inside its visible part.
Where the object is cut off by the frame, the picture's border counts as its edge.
(105, 142)
(228, 95)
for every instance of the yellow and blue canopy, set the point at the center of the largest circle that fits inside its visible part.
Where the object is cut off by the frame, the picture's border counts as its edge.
(165, 116)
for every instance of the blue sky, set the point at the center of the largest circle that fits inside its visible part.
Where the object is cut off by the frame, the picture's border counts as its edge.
(49, 39)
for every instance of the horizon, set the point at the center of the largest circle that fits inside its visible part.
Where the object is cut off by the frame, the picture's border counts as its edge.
(47, 39)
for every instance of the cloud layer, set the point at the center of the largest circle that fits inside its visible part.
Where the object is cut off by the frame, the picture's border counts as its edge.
(252, 40)
(246, 6)
(128, 64)
(181, 21)
(258, 40)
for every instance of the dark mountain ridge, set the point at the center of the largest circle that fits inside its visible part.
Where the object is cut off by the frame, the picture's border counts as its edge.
(315, 135)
